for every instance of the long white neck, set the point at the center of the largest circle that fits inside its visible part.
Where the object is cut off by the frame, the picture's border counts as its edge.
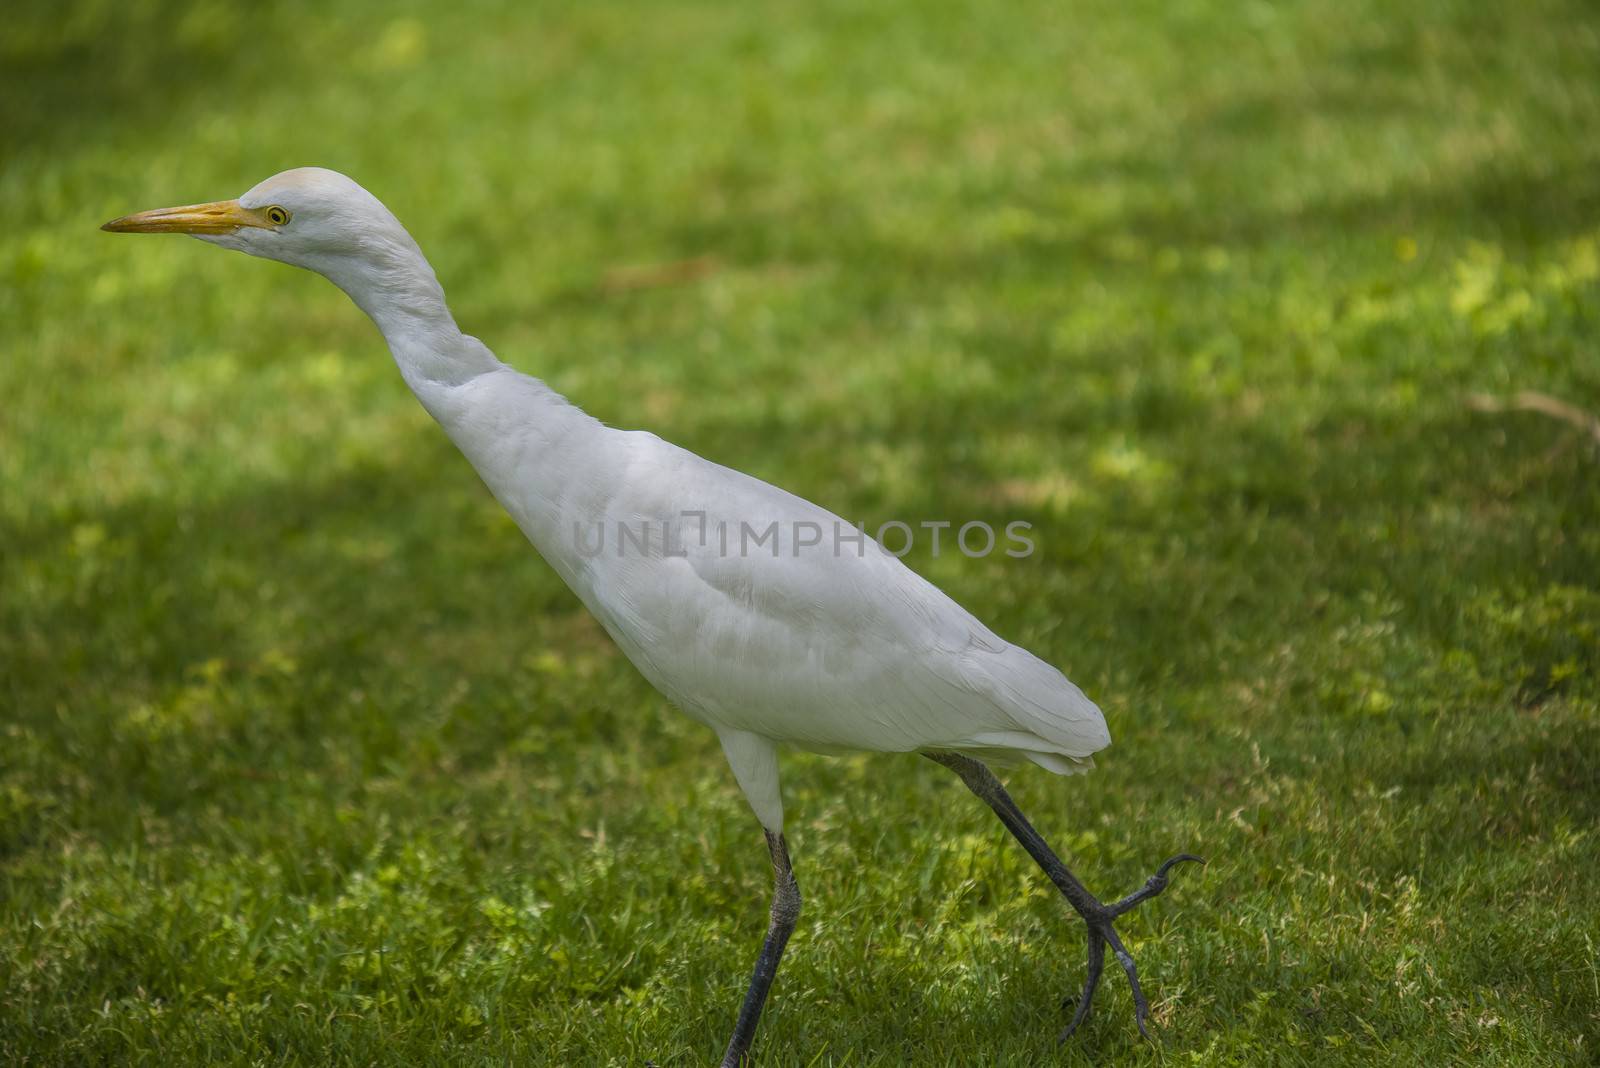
(394, 284)
(524, 439)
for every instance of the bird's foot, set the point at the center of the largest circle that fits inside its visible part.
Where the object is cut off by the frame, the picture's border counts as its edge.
(1099, 920)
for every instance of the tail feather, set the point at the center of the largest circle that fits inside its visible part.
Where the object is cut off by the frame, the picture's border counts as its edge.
(1052, 717)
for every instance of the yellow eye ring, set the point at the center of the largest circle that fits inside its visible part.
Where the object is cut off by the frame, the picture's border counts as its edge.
(277, 216)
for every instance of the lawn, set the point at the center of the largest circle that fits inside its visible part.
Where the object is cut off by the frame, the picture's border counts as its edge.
(306, 758)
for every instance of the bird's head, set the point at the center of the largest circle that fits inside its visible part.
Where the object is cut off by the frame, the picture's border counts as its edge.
(310, 217)
(313, 218)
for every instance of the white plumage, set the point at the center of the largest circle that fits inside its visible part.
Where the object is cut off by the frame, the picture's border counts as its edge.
(825, 647)
(817, 647)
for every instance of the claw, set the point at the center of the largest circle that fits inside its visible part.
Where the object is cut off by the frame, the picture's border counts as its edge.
(1152, 886)
(1102, 933)
(1180, 859)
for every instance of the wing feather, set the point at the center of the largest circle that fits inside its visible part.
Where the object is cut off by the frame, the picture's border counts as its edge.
(815, 646)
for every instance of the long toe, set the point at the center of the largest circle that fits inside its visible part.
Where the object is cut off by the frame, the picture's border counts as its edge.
(1102, 934)
(1153, 885)
(1141, 1007)
(1097, 960)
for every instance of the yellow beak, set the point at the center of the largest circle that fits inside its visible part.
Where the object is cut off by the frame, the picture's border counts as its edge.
(221, 217)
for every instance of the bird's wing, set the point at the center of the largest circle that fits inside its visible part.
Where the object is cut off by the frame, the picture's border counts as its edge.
(836, 644)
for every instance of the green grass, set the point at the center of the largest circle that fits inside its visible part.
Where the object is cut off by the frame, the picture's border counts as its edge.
(305, 758)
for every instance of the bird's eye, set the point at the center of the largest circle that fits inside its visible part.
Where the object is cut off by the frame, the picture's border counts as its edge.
(277, 216)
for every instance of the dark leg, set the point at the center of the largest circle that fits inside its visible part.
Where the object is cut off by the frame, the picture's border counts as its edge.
(1098, 917)
(785, 914)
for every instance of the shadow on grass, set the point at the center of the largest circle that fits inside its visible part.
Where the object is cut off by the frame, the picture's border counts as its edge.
(68, 76)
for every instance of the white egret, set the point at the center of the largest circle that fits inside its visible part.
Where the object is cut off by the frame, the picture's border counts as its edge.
(810, 639)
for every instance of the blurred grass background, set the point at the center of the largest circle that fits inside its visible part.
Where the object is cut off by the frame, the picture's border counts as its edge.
(307, 759)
